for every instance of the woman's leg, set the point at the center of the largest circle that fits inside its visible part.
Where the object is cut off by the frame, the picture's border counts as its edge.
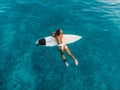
(62, 55)
(69, 53)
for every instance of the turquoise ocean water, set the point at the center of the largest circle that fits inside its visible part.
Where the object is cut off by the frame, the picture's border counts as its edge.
(23, 66)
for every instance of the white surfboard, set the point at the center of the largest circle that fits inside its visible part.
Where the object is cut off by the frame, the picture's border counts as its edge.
(50, 41)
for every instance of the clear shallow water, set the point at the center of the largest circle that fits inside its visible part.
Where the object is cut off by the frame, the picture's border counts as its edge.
(23, 66)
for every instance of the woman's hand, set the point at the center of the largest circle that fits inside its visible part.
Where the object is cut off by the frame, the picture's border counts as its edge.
(53, 34)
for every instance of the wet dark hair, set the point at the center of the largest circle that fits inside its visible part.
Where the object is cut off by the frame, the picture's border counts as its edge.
(58, 31)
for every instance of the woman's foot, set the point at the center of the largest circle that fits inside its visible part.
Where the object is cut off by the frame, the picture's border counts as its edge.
(66, 63)
(76, 62)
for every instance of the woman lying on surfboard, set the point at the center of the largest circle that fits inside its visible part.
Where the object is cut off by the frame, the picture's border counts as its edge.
(62, 46)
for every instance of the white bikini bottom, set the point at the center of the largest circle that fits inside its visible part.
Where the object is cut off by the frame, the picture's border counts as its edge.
(62, 45)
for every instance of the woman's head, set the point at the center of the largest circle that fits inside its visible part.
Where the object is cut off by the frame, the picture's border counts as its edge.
(59, 31)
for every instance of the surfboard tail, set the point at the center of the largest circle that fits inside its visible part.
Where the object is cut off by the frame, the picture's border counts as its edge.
(40, 42)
